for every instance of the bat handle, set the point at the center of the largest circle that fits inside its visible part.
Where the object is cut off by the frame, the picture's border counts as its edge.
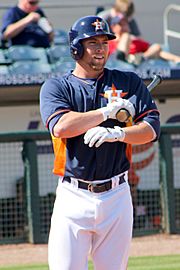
(123, 115)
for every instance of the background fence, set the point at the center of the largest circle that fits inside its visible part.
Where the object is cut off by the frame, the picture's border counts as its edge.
(28, 186)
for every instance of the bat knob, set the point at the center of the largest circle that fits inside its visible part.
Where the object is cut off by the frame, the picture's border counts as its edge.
(123, 115)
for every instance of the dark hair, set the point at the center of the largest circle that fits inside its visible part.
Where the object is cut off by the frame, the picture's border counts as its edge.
(130, 11)
(125, 7)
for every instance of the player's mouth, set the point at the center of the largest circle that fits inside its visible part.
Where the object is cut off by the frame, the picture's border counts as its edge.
(99, 57)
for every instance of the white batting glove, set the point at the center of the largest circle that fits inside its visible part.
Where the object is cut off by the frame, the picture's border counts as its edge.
(111, 109)
(98, 135)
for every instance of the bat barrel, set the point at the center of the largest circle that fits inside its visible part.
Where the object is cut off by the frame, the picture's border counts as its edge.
(156, 80)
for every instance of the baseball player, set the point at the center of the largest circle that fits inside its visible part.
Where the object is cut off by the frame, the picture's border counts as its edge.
(93, 211)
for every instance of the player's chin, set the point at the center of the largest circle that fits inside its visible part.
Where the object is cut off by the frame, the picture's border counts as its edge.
(99, 65)
(98, 68)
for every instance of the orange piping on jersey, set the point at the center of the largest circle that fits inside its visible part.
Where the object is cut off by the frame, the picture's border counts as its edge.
(129, 152)
(129, 146)
(54, 114)
(59, 146)
(155, 110)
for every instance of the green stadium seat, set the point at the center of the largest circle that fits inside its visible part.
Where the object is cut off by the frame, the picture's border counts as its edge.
(154, 63)
(120, 65)
(2, 56)
(26, 53)
(60, 37)
(63, 67)
(29, 67)
(55, 53)
(4, 70)
(3, 59)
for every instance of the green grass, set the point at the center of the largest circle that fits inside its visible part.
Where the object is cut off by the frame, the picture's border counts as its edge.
(171, 262)
(26, 267)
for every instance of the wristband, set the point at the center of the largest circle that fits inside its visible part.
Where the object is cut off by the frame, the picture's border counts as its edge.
(105, 112)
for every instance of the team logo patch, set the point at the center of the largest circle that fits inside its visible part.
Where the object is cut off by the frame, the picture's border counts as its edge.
(112, 94)
(98, 25)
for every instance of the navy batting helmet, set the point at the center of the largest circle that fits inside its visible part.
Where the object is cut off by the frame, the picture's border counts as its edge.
(86, 27)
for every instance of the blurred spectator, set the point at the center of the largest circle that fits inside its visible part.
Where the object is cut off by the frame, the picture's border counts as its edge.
(120, 45)
(134, 49)
(125, 7)
(26, 24)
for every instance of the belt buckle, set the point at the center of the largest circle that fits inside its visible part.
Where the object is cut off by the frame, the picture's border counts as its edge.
(91, 187)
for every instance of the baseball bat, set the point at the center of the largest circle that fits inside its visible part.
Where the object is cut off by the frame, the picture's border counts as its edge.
(123, 115)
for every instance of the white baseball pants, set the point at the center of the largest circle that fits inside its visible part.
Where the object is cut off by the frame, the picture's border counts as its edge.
(83, 223)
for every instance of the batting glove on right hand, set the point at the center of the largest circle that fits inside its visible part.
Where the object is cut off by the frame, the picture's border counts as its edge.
(111, 109)
(98, 135)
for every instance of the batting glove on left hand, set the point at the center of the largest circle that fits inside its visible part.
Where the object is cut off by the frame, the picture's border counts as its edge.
(112, 108)
(98, 135)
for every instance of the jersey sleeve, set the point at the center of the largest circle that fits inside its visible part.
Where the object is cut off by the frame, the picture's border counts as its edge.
(54, 102)
(145, 106)
(8, 18)
(41, 12)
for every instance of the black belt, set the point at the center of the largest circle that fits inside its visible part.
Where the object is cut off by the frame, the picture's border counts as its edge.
(96, 188)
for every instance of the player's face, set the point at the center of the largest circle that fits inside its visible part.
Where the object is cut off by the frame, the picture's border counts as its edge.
(31, 5)
(96, 50)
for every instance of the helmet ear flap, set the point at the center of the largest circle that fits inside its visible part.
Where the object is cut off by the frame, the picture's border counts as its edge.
(76, 50)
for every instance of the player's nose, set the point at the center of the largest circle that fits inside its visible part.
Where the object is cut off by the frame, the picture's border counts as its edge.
(99, 47)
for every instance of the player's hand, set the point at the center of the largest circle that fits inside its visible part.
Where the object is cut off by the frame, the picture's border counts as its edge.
(111, 109)
(98, 135)
(33, 17)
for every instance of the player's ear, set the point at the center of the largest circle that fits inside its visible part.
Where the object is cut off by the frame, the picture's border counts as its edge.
(76, 50)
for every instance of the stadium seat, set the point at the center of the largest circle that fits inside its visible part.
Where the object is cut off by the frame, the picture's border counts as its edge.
(3, 59)
(63, 67)
(154, 63)
(67, 59)
(26, 53)
(4, 70)
(60, 37)
(55, 53)
(29, 67)
(120, 65)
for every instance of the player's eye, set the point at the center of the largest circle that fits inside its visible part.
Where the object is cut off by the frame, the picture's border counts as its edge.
(105, 42)
(92, 43)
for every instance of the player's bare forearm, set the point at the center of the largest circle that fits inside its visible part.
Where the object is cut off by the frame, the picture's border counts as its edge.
(140, 133)
(73, 124)
(15, 28)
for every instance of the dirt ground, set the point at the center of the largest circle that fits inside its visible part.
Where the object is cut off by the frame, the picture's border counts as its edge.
(141, 246)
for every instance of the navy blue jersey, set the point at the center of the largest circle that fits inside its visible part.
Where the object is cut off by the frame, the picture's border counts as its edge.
(32, 34)
(68, 93)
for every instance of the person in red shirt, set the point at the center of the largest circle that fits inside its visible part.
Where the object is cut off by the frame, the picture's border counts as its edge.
(135, 49)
